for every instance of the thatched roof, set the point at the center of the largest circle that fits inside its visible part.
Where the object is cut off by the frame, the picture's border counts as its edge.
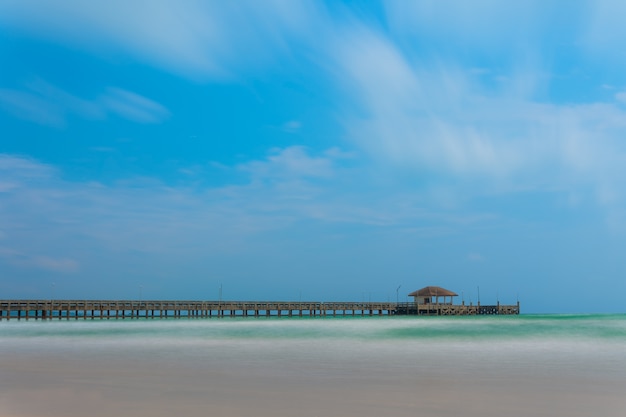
(433, 292)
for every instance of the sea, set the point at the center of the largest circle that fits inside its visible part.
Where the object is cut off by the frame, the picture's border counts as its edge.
(539, 365)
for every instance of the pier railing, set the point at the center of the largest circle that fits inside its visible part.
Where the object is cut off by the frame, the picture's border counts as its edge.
(121, 309)
(448, 309)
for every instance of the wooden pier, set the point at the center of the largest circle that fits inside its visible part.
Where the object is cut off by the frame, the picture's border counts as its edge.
(413, 309)
(128, 309)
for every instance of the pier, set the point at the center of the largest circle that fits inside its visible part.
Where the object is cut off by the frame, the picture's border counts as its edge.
(129, 309)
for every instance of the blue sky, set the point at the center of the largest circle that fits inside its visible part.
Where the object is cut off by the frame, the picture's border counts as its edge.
(314, 150)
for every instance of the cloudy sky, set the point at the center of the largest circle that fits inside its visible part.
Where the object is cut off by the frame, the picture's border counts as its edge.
(314, 150)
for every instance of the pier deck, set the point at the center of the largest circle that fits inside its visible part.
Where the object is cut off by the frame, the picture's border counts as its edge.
(129, 309)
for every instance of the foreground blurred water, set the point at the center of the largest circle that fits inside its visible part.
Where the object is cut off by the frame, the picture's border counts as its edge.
(594, 343)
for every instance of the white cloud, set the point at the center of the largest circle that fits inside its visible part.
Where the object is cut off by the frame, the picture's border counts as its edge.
(146, 217)
(604, 31)
(289, 164)
(30, 107)
(490, 25)
(18, 168)
(134, 107)
(377, 70)
(193, 38)
(49, 105)
(438, 119)
(337, 153)
(407, 113)
(69, 103)
(46, 263)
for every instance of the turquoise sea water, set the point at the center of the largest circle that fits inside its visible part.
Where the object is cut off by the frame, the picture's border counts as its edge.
(557, 337)
(596, 328)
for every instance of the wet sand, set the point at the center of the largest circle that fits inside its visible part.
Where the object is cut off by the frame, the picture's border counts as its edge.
(58, 385)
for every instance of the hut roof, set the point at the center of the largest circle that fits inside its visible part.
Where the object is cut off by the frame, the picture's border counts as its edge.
(433, 292)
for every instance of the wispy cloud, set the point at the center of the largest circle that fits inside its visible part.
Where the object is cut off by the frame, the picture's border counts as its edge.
(621, 96)
(46, 263)
(290, 187)
(19, 168)
(482, 24)
(604, 30)
(437, 118)
(133, 107)
(31, 107)
(46, 104)
(193, 38)
(290, 163)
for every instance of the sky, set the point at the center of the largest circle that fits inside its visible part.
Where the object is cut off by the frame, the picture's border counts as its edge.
(319, 151)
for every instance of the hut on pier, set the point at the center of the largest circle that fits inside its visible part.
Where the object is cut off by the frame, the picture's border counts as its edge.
(431, 295)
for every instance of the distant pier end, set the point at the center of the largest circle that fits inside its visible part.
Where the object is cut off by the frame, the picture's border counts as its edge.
(429, 301)
(437, 301)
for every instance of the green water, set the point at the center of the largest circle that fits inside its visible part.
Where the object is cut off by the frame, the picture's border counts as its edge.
(597, 328)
